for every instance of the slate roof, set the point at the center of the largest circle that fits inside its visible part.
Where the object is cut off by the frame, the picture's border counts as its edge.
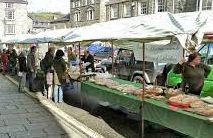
(14, 1)
(62, 19)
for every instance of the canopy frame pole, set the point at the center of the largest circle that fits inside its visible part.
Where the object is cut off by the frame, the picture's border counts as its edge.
(143, 92)
(79, 52)
(112, 58)
(48, 44)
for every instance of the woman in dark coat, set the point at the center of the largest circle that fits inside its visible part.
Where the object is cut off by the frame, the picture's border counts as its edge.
(193, 73)
(59, 66)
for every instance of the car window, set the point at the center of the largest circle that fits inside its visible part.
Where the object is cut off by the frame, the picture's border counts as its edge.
(210, 54)
(125, 56)
(203, 51)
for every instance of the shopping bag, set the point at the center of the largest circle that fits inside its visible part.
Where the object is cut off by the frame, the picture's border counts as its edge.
(20, 74)
(49, 78)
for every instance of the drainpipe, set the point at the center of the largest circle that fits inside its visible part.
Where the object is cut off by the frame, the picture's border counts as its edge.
(156, 6)
(200, 5)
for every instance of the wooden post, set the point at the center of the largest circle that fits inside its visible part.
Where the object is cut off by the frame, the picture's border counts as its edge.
(143, 94)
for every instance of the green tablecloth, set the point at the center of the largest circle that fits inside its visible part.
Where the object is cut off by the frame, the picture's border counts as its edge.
(155, 111)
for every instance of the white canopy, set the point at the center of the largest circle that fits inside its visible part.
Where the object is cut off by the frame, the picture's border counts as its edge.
(146, 27)
(15, 39)
(141, 28)
(47, 36)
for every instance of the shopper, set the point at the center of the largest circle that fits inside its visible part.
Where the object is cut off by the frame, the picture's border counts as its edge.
(4, 59)
(59, 66)
(22, 70)
(88, 59)
(71, 55)
(46, 65)
(31, 66)
(193, 73)
(13, 61)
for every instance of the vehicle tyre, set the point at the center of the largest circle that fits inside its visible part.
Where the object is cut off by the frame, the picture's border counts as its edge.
(100, 71)
(138, 79)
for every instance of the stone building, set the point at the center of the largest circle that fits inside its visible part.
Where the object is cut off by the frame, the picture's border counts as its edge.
(61, 23)
(87, 12)
(14, 19)
(116, 9)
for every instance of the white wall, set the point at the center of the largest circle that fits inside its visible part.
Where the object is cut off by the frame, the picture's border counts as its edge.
(22, 22)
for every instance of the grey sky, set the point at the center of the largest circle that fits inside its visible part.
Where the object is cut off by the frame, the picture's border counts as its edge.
(49, 5)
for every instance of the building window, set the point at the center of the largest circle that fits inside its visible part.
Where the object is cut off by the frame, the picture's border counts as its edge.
(91, 2)
(144, 9)
(82, 2)
(90, 14)
(9, 29)
(127, 9)
(9, 5)
(77, 16)
(73, 4)
(207, 5)
(161, 6)
(9, 15)
(114, 11)
(77, 3)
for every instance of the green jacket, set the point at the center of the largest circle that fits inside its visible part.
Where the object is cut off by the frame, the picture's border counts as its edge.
(192, 76)
(60, 71)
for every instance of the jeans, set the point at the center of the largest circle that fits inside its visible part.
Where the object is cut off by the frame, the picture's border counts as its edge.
(31, 78)
(58, 94)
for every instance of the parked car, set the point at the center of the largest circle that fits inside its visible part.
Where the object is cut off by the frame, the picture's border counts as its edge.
(128, 68)
(206, 51)
(104, 52)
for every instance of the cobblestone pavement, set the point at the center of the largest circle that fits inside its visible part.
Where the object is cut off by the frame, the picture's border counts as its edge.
(24, 117)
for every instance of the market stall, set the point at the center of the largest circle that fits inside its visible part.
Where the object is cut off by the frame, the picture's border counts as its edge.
(156, 110)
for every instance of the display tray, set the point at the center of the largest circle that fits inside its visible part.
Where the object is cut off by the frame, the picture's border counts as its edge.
(179, 105)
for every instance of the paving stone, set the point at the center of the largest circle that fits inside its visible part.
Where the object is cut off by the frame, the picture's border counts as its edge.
(42, 125)
(40, 120)
(12, 128)
(16, 121)
(2, 123)
(12, 111)
(19, 116)
(28, 134)
(57, 132)
(4, 136)
(11, 107)
(35, 110)
(29, 106)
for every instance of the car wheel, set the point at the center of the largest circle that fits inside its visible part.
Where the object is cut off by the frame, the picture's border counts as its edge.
(100, 71)
(138, 79)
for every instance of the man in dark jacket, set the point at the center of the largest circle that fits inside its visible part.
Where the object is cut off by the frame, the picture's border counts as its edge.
(31, 67)
(89, 59)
